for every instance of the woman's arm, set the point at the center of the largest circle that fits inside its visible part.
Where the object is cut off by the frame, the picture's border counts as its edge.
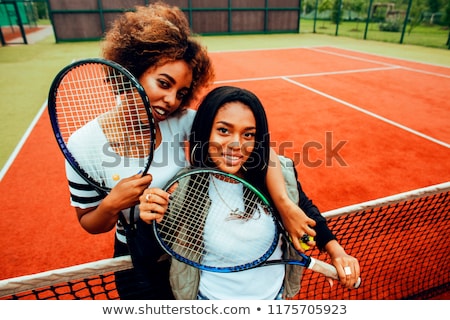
(323, 233)
(294, 219)
(124, 195)
(326, 241)
(342, 262)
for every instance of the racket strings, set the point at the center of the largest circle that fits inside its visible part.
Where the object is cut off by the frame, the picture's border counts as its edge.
(126, 134)
(202, 228)
(94, 95)
(183, 223)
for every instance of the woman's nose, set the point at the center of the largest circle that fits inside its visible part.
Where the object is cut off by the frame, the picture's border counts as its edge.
(171, 98)
(235, 142)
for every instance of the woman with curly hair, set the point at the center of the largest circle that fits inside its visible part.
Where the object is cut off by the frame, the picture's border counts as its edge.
(155, 44)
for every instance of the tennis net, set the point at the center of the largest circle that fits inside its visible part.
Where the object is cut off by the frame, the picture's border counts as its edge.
(401, 243)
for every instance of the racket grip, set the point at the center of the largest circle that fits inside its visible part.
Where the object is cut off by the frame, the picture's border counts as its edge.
(328, 270)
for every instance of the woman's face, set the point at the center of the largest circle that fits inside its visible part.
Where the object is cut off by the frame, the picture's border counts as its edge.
(232, 137)
(166, 86)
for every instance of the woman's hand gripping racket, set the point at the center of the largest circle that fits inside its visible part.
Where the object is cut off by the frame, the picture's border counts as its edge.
(215, 220)
(101, 116)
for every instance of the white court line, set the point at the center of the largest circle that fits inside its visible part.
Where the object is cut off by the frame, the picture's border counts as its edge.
(317, 48)
(304, 75)
(388, 67)
(351, 57)
(22, 141)
(395, 124)
(379, 62)
(385, 57)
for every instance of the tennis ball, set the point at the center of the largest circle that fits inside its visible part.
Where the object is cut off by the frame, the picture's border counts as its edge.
(303, 242)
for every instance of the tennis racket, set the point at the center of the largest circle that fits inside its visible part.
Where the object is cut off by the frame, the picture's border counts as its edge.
(101, 118)
(215, 220)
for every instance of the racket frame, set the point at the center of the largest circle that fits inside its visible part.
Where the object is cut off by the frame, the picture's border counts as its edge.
(52, 110)
(261, 261)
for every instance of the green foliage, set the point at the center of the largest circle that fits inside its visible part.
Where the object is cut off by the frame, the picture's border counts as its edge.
(390, 26)
(336, 13)
(324, 5)
(41, 9)
(446, 19)
(434, 5)
(354, 5)
(416, 14)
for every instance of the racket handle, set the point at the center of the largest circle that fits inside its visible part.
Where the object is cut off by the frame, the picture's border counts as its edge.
(328, 270)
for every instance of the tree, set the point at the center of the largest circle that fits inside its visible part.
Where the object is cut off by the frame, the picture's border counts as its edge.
(447, 21)
(416, 14)
(355, 6)
(434, 5)
(323, 6)
(336, 13)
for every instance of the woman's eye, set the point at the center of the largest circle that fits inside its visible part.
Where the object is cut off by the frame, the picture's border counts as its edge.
(222, 130)
(164, 84)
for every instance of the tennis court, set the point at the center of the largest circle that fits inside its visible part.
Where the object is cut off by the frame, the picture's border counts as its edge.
(359, 127)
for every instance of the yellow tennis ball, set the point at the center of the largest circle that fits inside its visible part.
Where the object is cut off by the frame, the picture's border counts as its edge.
(304, 246)
(303, 243)
(116, 177)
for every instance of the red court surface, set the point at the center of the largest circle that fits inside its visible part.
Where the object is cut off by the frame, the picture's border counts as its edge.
(359, 127)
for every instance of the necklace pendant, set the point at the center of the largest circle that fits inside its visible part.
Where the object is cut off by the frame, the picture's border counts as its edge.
(235, 212)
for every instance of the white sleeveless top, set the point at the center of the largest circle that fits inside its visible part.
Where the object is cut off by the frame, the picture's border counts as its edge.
(241, 235)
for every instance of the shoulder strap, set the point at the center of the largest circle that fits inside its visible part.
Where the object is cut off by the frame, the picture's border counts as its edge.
(290, 177)
(292, 280)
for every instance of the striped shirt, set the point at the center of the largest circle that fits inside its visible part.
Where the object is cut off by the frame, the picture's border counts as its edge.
(169, 157)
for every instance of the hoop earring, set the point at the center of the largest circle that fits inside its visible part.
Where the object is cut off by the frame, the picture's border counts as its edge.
(192, 153)
(262, 169)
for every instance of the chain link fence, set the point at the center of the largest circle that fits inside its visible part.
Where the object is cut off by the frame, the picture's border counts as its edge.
(416, 22)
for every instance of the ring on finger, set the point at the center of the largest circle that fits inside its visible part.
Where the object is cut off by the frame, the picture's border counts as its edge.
(147, 196)
(305, 238)
(347, 270)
